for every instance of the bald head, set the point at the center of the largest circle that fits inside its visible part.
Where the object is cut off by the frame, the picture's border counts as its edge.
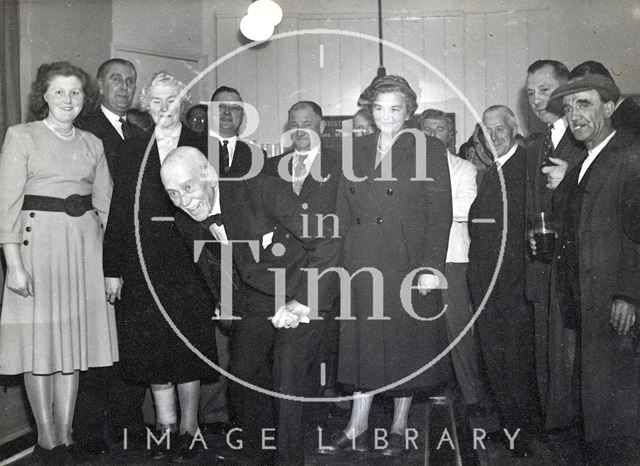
(190, 181)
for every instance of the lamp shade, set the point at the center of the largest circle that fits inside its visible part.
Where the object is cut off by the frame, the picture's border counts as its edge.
(267, 10)
(253, 28)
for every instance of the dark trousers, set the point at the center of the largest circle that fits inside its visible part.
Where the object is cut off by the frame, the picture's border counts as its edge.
(106, 405)
(297, 372)
(251, 352)
(507, 340)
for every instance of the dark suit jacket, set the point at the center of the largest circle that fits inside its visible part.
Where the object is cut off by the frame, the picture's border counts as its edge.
(602, 262)
(294, 222)
(486, 238)
(242, 158)
(627, 117)
(541, 199)
(97, 123)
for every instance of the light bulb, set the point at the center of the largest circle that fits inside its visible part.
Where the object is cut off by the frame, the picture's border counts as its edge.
(256, 29)
(266, 10)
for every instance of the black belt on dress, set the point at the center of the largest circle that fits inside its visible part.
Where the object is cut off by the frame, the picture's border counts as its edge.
(74, 205)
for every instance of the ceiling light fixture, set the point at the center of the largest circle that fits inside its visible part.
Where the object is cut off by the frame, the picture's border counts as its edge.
(261, 18)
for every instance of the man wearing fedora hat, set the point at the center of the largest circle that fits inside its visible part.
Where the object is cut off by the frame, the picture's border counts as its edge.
(600, 261)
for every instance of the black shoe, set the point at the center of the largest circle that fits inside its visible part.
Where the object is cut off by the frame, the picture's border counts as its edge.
(215, 428)
(341, 443)
(185, 449)
(336, 412)
(395, 445)
(62, 455)
(92, 448)
(41, 455)
(164, 449)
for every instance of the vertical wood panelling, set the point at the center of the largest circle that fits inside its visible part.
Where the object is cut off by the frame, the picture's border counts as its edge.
(392, 32)
(475, 67)
(413, 71)
(308, 59)
(484, 54)
(496, 56)
(517, 62)
(454, 59)
(537, 47)
(329, 70)
(432, 88)
(369, 60)
(266, 82)
(287, 78)
(350, 67)
(226, 29)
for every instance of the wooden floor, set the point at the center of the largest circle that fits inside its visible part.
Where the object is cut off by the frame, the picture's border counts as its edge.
(559, 449)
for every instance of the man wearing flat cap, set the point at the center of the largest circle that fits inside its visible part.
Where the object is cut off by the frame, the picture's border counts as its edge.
(600, 262)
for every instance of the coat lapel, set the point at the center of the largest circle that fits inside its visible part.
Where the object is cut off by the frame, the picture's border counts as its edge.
(599, 171)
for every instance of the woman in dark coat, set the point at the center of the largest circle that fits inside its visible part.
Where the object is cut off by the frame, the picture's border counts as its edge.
(151, 350)
(396, 225)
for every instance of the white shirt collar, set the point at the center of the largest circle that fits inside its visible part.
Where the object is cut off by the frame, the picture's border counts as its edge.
(114, 119)
(504, 158)
(596, 150)
(231, 143)
(593, 153)
(557, 132)
(216, 204)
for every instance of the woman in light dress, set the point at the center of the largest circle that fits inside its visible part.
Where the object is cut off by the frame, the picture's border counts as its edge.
(55, 190)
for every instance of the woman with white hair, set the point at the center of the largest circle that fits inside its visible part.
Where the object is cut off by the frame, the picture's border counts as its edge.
(152, 277)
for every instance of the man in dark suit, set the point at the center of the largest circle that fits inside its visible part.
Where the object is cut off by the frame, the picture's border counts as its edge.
(601, 258)
(548, 156)
(303, 203)
(106, 403)
(506, 322)
(231, 157)
(116, 80)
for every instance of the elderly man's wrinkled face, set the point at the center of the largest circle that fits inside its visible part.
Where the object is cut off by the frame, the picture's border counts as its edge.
(589, 117)
(117, 88)
(500, 130)
(161, 108)
(189, 188)
(226, 115)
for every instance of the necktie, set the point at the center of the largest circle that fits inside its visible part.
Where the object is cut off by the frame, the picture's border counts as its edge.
(548, 147)
(126, 131)
(299, 173)
(224, 156)
(210, 220)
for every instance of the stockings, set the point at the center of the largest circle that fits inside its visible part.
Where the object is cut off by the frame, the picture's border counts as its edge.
(52, 398)
(359, 421)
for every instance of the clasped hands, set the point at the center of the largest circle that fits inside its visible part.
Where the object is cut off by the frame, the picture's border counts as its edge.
(290, 315)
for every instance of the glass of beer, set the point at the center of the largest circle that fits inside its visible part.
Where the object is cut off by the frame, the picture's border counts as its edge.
(544, 235)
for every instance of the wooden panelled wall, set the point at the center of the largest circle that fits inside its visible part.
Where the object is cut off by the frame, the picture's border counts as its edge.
(484, 54)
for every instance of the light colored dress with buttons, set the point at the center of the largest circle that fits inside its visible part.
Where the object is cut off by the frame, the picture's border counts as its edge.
(67, 324)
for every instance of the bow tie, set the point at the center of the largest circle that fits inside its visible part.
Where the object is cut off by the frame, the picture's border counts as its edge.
(210, 220)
